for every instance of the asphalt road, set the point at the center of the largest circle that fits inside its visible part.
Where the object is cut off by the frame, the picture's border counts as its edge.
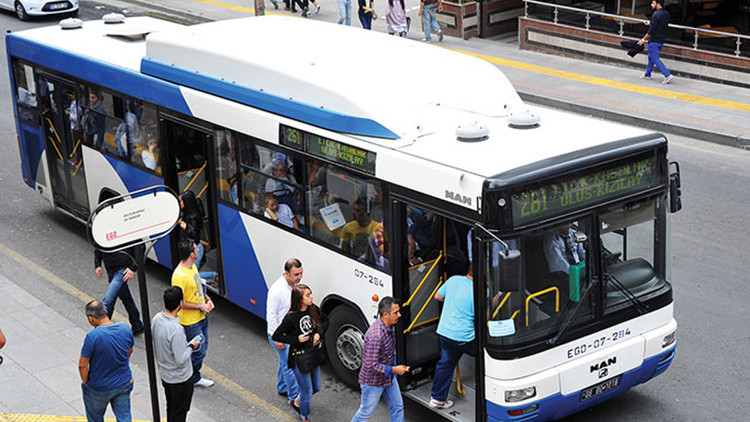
(707, 381)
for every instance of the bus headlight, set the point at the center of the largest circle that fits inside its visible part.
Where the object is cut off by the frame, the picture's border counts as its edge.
(519, 395)
(669, 339)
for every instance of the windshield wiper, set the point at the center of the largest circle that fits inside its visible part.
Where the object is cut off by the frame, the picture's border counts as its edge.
(566, 324)
(639, 306)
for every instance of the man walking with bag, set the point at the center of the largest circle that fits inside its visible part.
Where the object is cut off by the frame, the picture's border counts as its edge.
(377, 375)
(657, 34)
(104, 366)
(173, 353)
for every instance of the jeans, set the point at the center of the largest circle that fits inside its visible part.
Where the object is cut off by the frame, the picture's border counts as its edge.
(286, 383)
(450, 353)
(200, 327)
(371, 396)
(345, 11)
(179, 396)
(653, 59)
(365, 19)
(429, 20)
(208, 275)
(96, 403)
(309, 384)
(119, 288)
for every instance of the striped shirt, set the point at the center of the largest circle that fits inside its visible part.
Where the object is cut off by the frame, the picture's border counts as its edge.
(379, 357)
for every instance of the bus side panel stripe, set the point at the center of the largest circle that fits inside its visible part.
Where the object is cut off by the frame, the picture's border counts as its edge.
(307, 113)
(117, 78)
(133, 177)
(244, 278)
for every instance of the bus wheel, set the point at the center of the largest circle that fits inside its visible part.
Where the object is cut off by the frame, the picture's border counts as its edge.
(345, 343)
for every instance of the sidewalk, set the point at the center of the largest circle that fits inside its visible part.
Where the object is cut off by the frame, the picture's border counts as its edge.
(688, 107)
(39, 375)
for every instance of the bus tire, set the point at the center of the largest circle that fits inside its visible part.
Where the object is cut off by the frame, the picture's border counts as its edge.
(345, 344)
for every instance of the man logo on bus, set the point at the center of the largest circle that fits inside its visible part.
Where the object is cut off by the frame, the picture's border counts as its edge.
(603, 364)
(603, 372)
(457, 197)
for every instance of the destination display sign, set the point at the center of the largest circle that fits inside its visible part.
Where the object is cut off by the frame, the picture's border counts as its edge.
(339, 152)
(580, 192)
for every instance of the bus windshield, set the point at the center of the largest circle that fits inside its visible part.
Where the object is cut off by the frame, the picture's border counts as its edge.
(559, 267)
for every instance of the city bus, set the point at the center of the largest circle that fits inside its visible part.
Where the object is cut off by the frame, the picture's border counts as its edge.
(386, 166)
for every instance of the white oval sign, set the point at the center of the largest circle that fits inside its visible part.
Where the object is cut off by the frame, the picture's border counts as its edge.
(134, 219)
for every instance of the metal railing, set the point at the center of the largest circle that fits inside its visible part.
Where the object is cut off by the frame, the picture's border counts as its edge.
(631, 19)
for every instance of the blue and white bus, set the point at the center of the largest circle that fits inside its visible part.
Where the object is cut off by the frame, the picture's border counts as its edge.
(389, 166)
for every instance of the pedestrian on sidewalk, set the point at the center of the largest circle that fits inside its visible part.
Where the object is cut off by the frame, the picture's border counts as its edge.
(278, 303)
(428, 11)
(302, 329)
(376, 376)
(395, 17)
(455, 332)
(366, 13)
(104, 366)
(173, 353)
(196, 305)
(656, 36)
(121, 267)
(345, 12)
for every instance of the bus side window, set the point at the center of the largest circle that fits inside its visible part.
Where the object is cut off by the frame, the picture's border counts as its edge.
(226, 169)
(347, 212)
(25, 91)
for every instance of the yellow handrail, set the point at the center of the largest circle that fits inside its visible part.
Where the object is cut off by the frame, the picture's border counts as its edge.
(427, 322)
(52, 141)
(423, 307)
(515, 313)
(202, 190)
(53, 130)
(494, 314)
(195, 177)
(545, 291)
(78, 167)
(437, 260)
(458, 381)
(75, 148)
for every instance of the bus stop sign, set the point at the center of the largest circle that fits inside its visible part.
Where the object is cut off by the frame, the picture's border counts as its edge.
(135, 218)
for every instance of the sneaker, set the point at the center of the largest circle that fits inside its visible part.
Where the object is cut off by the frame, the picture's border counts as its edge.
(648, 78)
(275, 5)
(440, 36)
(295, 406)
(286, 8)
(437, 404)
(204, 383)
(306, 12)
(668, 79)
(426, 39)
(317, 9)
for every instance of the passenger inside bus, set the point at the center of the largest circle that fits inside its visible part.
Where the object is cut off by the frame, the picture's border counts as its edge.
(150, 156)
(356, 235)
(280, 212)
(562, 250)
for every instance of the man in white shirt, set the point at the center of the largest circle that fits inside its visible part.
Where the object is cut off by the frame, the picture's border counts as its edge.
(278, 303)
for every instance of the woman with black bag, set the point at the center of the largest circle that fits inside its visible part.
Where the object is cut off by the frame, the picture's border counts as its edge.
(302, 329)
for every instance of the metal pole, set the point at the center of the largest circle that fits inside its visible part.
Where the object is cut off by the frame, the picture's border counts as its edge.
(141, 259)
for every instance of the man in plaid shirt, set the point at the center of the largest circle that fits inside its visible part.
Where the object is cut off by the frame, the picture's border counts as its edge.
(379, 364)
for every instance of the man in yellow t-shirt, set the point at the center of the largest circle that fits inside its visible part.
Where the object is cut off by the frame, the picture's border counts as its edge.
(355, 236)
(195, 306)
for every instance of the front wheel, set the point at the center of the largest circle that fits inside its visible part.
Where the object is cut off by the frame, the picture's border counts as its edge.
(21, 12)
(345, 343)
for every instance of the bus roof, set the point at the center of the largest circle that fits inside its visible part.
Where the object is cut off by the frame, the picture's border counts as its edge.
(419, 92)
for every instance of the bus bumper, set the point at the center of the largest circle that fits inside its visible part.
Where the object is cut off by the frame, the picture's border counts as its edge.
(558, 406)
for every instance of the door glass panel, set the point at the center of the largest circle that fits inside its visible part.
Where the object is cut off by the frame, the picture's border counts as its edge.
(26, 98)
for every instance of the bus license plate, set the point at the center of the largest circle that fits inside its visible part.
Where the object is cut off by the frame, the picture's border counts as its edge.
(594, 391)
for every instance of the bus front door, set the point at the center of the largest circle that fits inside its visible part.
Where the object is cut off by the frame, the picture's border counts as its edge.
(61, 116)
(435, 248)
(190, 146)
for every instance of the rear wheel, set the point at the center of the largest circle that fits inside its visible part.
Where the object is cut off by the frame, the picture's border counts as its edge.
(345, 343)
(21, 12)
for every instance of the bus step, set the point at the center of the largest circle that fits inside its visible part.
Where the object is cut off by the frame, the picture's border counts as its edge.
(463, 406)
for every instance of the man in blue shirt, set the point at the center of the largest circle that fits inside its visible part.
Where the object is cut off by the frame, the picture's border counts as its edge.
(455, 331)
(657, 34)
(104, 365)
